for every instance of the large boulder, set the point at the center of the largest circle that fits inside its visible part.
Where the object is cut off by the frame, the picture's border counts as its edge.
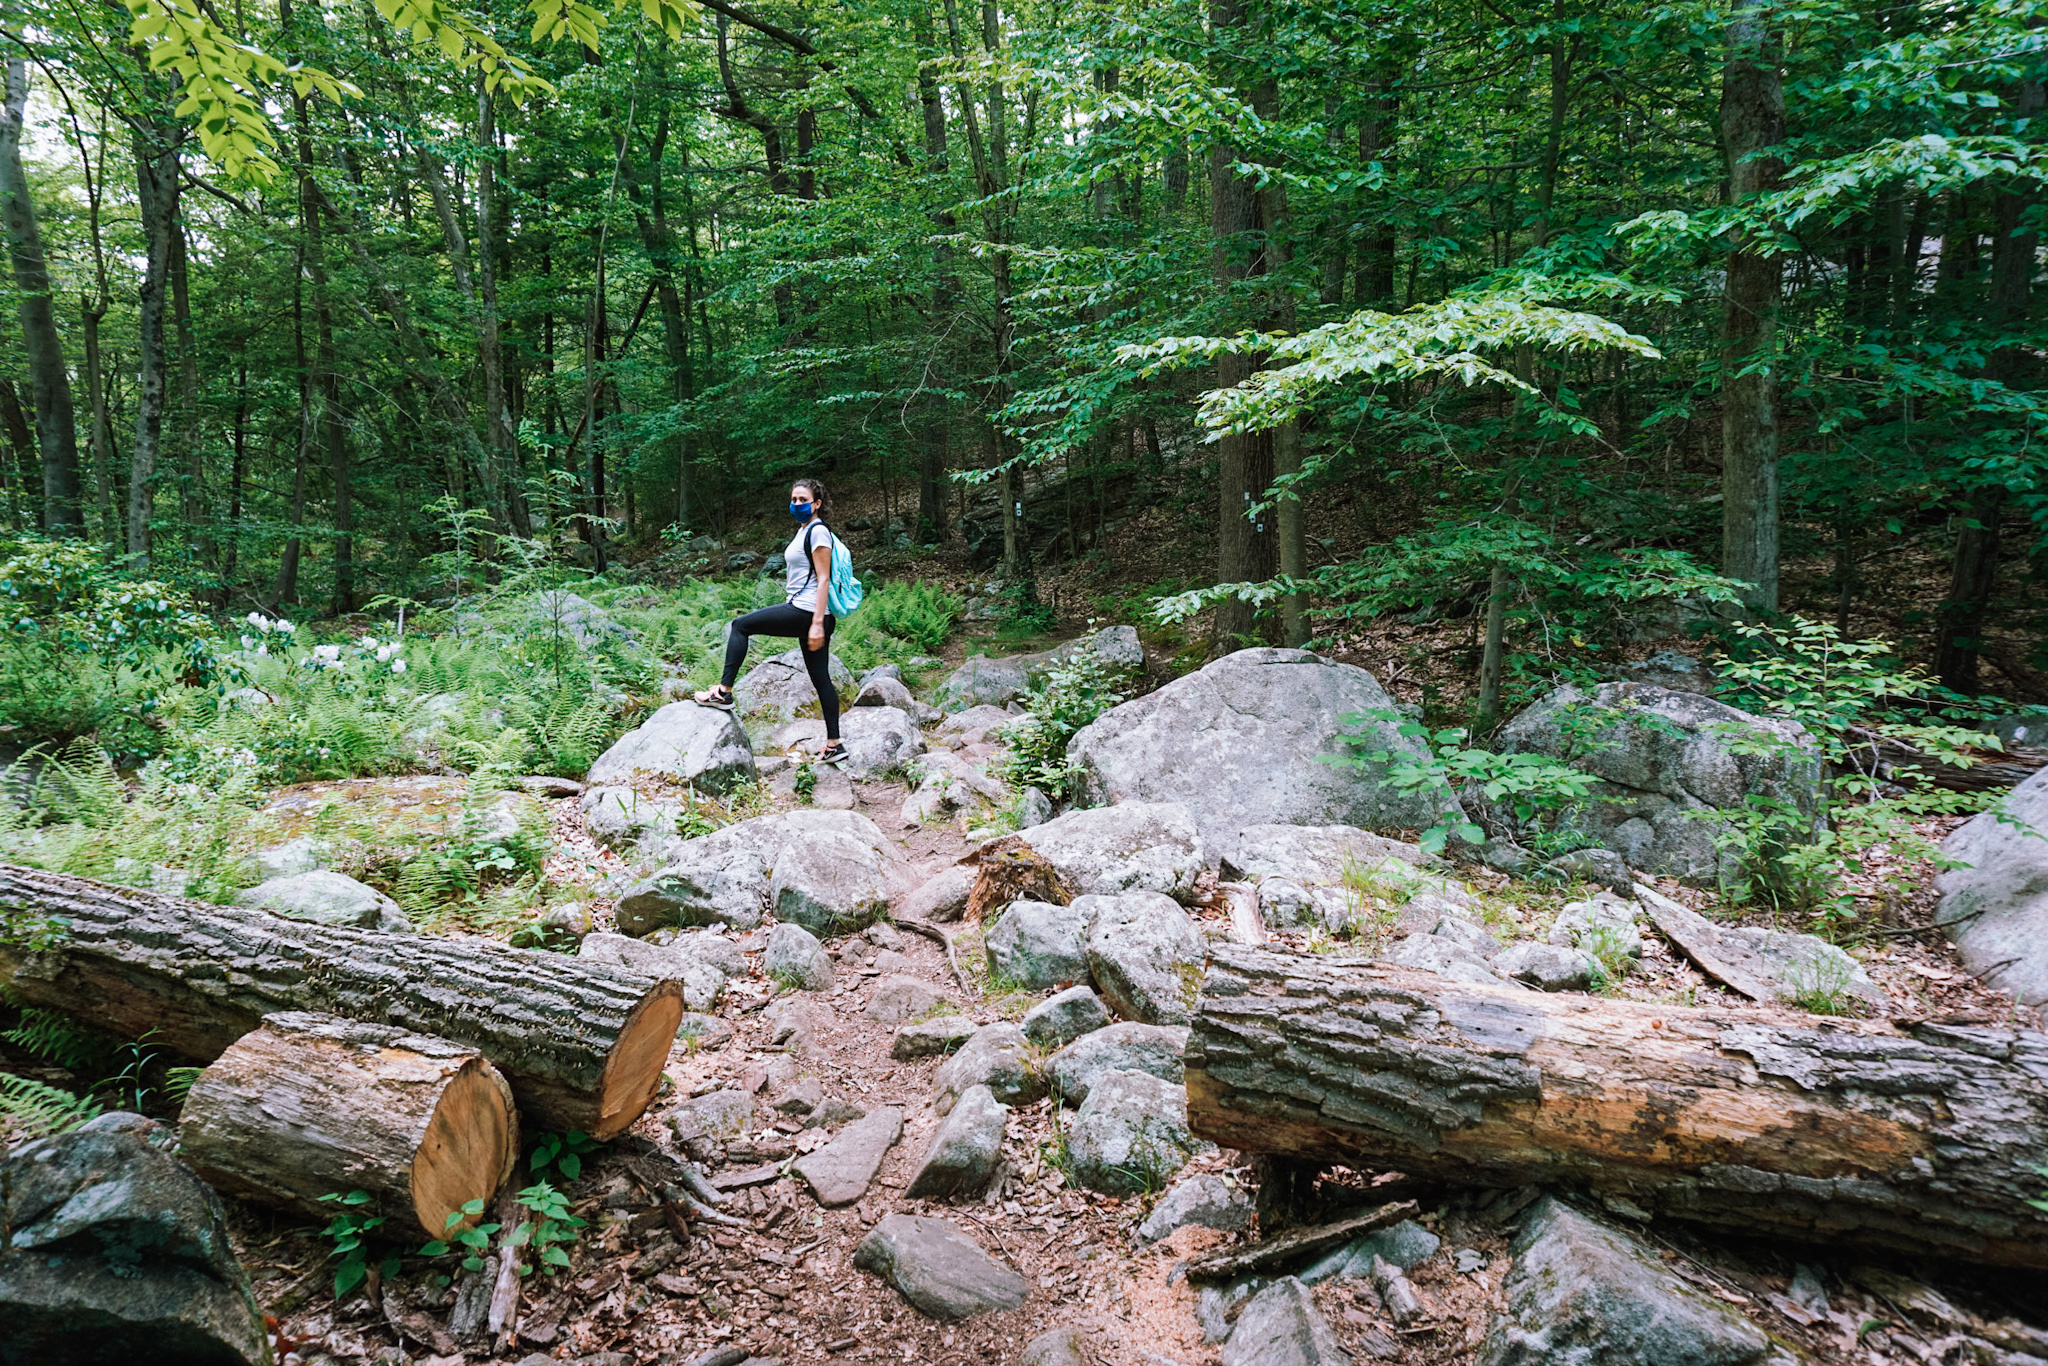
(1251, 740)
(578, 619)
(1037, 944)
(880, 741)
(947, 783)
(1996, 907)
(329, 899)
(1127, 1047)
(701, 746)
(1130, 1135)
(729, 876)
(1587, 1292)
(939, 1269)
(1322, 875)
(1137, 846)
(1666, 760)
(112, 1252)
(618, 818)
(982, 681)
(1145, 955)
(780, 688)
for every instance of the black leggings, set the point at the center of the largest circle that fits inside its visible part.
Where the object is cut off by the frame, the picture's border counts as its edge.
(787, 620)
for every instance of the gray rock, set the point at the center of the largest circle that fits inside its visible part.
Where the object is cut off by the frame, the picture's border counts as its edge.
(578, 619)
(1602, 867)
(1311, 855)
(111, 1251)
(780, 688)
(328, 899)
(720, 1116)
(1204, 1201)
(941, 898)
(701, 1031)
(619, 818)
(868, 676)
(1243, 742)
(724, 878)
(702, 981)
(795, 958)
(1134, 847)
(1546, 967)
(1146, 956)
(946, 784)
(1584, 1291)
(800, 1097)
(902, 997)
(1444, 957)
(1805, 969)
(998, 1057)
(885, 936)
(1156, 1049)
(992, 682)
(741, 562)
(700, 746)
(1060, 1019)
(1282, 1327)
(972, 726)
(1405, 1245)
(1661, 754)
(1469, 933)
(1995, 909)
(1034, 809)
(1130, 1135)
(2027, 728)
(931, 1038)
(840, 1172)
(1217, 1306)
(883, 690)
(965, 1150)
(1057, 1347)
(1605, 924)
(880, 741)
(942, 1272)
(1037, 944)
(302, 855)
(569, 920)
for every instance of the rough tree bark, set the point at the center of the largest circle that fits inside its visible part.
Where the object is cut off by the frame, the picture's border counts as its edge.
(1923, 1139)
(157, 183)
(306, 1105)
(49, 380)
(582, 1045)
(1752, 119)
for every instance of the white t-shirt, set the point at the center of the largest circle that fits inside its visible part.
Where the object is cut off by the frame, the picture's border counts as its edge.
(799, 574)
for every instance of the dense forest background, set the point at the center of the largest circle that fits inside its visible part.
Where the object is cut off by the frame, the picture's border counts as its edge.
(1525, 317)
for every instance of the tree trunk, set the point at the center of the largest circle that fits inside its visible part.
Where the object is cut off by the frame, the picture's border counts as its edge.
(49, 380)
(1772, 1128)
(309, 1105)
(156, 178)
(1752, 119)
(582, 1045)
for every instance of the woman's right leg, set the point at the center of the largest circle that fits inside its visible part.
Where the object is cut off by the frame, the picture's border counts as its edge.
(785, 620)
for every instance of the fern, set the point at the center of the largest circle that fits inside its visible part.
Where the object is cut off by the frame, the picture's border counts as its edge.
(54, 1039)
(38, 1109)
(81, 785)
(178, 1083)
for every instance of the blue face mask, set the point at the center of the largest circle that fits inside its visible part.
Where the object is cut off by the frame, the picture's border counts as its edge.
(800, 511)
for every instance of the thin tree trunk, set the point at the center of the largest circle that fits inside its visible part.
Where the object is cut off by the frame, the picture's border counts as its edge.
(157, 180)
(933, 455)
(49, 380)
(190, 445)
(1752, 119)
(501, 433)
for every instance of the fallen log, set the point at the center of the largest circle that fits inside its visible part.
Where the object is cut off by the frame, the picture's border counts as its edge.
(1926, 1138)
(582, 1044)
(310, 1105)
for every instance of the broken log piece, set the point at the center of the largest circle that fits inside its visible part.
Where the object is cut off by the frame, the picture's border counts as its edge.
(1838, 1131)
(1297, 1245)
(310, 1105)
(582, 1044)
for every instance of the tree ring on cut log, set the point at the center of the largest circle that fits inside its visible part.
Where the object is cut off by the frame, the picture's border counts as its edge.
(632, 1073)
(472, 1127)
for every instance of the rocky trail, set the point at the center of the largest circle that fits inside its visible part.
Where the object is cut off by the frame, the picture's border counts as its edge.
(1206, 1073)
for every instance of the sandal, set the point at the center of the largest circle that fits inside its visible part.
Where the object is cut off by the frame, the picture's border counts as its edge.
(717, 697)
(834, 753)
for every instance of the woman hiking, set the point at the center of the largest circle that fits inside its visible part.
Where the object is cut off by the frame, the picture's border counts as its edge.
(807, 562)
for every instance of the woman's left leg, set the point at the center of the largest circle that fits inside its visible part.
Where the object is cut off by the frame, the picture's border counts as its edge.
(818, 664)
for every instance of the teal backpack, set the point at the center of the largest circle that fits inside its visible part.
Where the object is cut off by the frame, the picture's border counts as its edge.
(844, 593)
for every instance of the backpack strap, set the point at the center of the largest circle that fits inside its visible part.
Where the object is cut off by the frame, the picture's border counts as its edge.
(809, 533)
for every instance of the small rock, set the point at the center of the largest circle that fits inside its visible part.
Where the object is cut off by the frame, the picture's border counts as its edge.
(829, 883)
(1036, 944)
(840, 1172)
(327, 898)
(1034, 808)
(1282, 1327)
(1129, 1047)
(1217, 1306)
(1546, 966)
(801, 1097)
(1059, 1347)
(998, 1057)
(1605, 924)
(703, 1031)
(832, 1112)
(965, 1150)
(940, 1270)
(1060, 1019)
(901, 998)
(1468, 934)
(716, 1118)
(929, 1038)
(701, 981)
(1145, 955)
(1469, 1260)
(1585, 1291)
(570, 920)
(1130, 1135)
(1444, 957)
(941, 898)
(885, 936)
(1602, 867)
(891, 963)
(796, 960)
(1205, 1201)
(1405, 1245)
(302, 855)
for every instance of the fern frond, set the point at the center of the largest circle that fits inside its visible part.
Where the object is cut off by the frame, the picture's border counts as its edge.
(57, 1040)
(39, 1109)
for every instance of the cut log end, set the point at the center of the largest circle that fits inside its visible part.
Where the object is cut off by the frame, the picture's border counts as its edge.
(632, 1073)
(470, 1145)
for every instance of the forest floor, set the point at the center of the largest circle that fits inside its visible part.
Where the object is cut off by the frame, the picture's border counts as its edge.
(783, 1287)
